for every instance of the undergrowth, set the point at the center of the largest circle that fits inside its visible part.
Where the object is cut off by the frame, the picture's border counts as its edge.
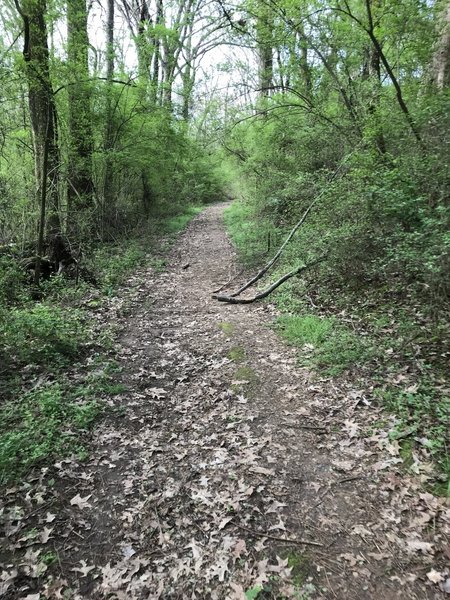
(374, 331)
(46, 422)
(44, 414)
(325, 344)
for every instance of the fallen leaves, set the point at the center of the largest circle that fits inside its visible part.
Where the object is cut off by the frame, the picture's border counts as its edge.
(84, 569)
(194, 486)
(80, 502)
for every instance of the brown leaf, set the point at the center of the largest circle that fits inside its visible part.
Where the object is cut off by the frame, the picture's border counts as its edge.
(45, 535)
(239, 549)
(419, 546)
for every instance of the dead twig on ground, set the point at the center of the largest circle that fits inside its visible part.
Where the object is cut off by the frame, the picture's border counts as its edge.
(320, 430)
(279, 539)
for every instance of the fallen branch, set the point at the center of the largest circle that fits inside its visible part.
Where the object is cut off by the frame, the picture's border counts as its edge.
(270, 264)
(299, 223)
(226, 284)
(233, 300)
(279, 539)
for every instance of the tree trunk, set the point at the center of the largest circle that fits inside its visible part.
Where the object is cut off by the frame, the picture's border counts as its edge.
(159, 20)
(41, 106)
(188, 74)
(108, 200)
(265, 51)
(80, 187)
(144, 50)
(372, 71)
(441, 58)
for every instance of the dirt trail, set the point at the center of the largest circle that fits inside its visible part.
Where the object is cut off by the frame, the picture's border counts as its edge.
(220, 450)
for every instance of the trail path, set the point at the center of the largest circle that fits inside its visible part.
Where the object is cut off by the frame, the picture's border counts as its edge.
(220, 450)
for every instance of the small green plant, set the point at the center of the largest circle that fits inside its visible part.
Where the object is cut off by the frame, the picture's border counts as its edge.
(326, 344)
(300, 566)
(227, 328)
(42, 423)
(42, 334)
(423, 413)
(245, 374)
(236, 354)
(253, 593)
(49, 558)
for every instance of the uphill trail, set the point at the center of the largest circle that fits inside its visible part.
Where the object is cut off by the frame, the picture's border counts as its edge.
(226, 471)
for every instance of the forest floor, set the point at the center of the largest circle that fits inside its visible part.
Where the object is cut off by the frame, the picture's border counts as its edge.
(224, 470)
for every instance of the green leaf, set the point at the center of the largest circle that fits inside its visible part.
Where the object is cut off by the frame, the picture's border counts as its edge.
(253, 593)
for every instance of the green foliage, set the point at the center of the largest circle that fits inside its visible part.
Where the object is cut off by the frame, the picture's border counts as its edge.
(41, 424)
(41, 334)
(425, 410)
(249, 232)
(12, 280)
(112, 263)
(424, 415)
(253, 593)
(326, 344)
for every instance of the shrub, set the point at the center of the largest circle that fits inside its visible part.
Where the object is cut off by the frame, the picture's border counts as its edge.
(40, 424)
(41, 334)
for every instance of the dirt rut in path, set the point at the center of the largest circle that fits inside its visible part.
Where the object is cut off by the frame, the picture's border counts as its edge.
(225, 469)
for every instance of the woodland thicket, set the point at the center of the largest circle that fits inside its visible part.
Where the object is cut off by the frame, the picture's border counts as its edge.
(340, 106)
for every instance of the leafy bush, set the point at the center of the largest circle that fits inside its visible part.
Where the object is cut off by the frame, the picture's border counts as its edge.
(250, 232)
(41, 334)
(112, 263)
(12, 281)
(41, 424)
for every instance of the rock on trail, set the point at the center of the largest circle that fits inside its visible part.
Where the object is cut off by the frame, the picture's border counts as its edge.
(225, 471)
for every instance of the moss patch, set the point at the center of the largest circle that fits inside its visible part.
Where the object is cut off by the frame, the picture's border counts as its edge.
(245, 380)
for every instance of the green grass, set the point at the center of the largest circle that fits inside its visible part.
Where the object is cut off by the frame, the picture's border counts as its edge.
(249, 234)
(236, 354)
(41, 334)
(226, 328)
(325, 344)
(305, 329)
(177, 223)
